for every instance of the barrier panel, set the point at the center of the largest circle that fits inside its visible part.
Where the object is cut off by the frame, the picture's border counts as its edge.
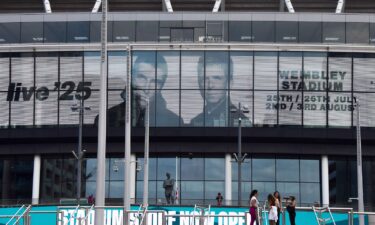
(161, 215)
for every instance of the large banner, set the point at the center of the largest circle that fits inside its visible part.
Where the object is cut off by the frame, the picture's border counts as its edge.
(189, 88)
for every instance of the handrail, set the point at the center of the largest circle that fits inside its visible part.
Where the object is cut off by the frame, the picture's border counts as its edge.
(88, 212)
(26, 211)
(15, 214)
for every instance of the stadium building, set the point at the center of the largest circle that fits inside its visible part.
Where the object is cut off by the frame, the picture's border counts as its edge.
(292, 78)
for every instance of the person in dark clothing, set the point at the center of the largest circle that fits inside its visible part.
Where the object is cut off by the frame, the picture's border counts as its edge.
(145, 86)
(168, 185)
(291, 208)
(213, 83)
(219, 199)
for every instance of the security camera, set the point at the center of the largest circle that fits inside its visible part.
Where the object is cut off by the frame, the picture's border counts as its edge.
(115, 168)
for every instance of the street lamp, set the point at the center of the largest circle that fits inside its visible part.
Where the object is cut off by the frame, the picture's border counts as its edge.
(361, 207)
(80, 153)
(239, 157)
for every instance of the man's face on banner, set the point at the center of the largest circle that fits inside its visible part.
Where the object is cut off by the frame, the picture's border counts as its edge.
(144, 83)
(216, 83)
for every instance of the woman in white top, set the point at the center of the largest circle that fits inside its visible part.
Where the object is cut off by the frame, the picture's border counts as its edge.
(253, 206)
(272, 215)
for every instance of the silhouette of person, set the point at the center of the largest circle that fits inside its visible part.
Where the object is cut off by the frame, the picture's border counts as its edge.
(168, 185)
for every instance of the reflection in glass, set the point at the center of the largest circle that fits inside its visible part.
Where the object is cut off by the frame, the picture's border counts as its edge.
(191, 190)
(191, 106)
(246, 189)
(245, 170)
(116, 189)
(287, 170)
(117, 65)
(309, 170)
(152, 166)
(212, 188)
(192, 169)
(288, 189)
(264, 188)
(263, 169)
(166, 165)
(214, 168)
(310, 193)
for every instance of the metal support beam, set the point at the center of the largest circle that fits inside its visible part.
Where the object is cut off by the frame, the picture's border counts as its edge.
(96, 7)
(216, 6)
(340, 6)
(36, 180)
(289, 6)
(47, 6)
(102, 128)
(361, 207)
(167, 6)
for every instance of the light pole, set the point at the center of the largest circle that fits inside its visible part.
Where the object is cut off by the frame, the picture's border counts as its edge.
(80, 153)
(239, 157)
(359, 164)
(146, 156)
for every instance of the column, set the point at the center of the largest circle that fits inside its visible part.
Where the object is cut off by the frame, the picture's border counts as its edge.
(325, 181)
(133, 173)
(228, 179)
(36, 180)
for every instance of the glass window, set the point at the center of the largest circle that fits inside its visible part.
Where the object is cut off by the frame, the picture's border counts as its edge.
(315, 96)
(287, 170)
(192, 108)
(78, 31)
(22, 71)
(340, 72)
(340, 109)
(310, 170)
(290, 86)
(168, 73)
(264, 31)
(152, 166)
(167, 108)
(192, 168)
(215, 28)
(190, 62)
(191, 190)
(367, 101)
(116, 189)
(286, 31)
(240, 31)
(288, 189)
(182, 34)
(263, 169)
(165, 34)
(245, 189)
(214, 169)
(4, 72)
(166, 165)
(151, 192)
(363, 71)
(265, 108)
(241, 70)
(211, 188)
(357, 33)
(333, 32)
(46, 107)
(31, 32)
(123, 31)
(264, 188)
(147, 31)
(95, 29)
(216, 88)
(310, 32)
(54, 32)
(310, 193)
(4, 113)
(199, 34)
(245, 170)
(117, 64)
(116, 109)
(91, 71)
(246, 100)
(265, 70)
(10, 32)
(372, 33)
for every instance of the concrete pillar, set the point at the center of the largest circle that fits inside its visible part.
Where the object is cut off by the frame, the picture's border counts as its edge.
(133, 171)
(228, 179)
(325, 181)
(36, 179)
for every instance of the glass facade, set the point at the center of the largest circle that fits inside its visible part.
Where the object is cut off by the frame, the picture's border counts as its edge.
(189, 31)
(190, 88)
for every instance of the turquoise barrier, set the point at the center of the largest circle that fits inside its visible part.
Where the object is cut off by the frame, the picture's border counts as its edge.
(47, 215)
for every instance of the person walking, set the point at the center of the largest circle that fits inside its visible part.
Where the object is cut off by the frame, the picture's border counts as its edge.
(253, 206)
(279, 206)
(272, 215)
(291, 208)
